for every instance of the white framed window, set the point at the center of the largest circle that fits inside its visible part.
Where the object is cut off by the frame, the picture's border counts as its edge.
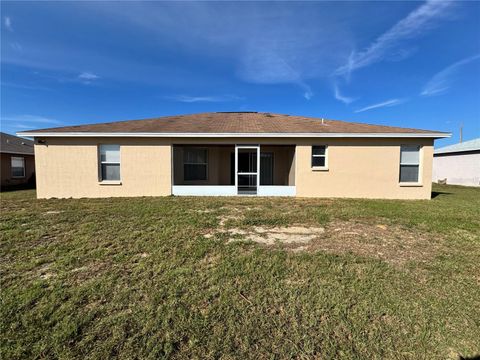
(195, 164)
(17, 165)
(409, 163)
(319, 157)
(109, 162)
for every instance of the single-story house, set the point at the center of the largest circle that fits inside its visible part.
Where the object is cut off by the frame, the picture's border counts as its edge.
(17, 162)
(234, 153)
(458, 164)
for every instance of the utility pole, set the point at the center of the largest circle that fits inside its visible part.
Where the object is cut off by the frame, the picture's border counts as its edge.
(461, 131)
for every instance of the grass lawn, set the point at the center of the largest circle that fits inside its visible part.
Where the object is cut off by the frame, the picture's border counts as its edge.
(204, 278)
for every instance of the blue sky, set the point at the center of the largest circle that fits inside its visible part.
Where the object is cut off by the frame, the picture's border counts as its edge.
(411, 64)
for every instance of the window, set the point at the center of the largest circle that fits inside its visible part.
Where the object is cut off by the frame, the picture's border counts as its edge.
(319, 156)
(409, 163)
(18, 166)
(110, 162)
(195, 164)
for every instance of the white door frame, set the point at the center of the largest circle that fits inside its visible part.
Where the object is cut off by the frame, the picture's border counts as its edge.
(251, 147)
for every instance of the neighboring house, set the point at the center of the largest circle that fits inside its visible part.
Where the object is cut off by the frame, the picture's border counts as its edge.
(17, 161)
(458, 164)
(241, 153)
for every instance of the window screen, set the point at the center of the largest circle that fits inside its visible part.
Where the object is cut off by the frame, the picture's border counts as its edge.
(319, 156)
(110, 162)
(409, 163)
(195, 164)
(17, 166)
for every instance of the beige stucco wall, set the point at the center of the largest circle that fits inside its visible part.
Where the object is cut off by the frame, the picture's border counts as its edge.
(69, 168)
(362, 168)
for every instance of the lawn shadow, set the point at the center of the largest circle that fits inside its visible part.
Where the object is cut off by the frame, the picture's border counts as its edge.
(437, 193)
(474, 357)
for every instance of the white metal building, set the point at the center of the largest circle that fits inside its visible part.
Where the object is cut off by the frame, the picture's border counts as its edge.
(458, 164)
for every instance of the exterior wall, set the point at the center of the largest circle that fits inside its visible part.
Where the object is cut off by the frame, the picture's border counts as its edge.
(363, 168)
(359, 168)
(457, 168)
(69, 168)
(6, 171)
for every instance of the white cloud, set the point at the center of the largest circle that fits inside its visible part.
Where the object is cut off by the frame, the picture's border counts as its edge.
(195, 99)
(7, 21)
(387, 103)
(88, 76)
(440, 82)
(416, 23)
(30, 119)
(345, 99)
(308, 95)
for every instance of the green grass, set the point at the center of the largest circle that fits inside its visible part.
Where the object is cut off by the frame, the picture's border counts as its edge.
(136, 278)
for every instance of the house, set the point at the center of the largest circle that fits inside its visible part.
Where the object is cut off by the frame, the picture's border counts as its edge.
(234, 153)
(458, 164)
(17, 162)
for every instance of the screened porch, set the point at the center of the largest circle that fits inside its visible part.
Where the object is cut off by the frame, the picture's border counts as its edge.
(228, 170)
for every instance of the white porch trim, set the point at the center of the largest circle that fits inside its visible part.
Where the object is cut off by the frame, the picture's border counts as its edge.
(204, 190)
(276, 190)
(230, 190)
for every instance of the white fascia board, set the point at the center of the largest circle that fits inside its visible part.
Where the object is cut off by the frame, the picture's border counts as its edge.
(235, 135)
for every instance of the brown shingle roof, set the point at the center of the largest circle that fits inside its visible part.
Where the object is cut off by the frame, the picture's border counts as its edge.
(15, 145)
(232, 123)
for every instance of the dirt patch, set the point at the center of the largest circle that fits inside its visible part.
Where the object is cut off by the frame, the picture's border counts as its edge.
(44, 272)
(203, 211)
(283, 235)
(88, 272)
(392, 243)
(51, 212)
(224, 218)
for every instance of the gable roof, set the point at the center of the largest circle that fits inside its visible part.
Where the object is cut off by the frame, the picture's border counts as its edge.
(235, 124)
(467, 146)
(11, 144)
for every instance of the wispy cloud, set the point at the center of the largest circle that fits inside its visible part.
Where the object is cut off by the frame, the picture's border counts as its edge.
(258, 52)
(415, 24)
(23, 86)
(31, 119)
(196, 99)
(7, 22)
(308, 92)
(387, 103)
(441, 81)
(87, 77)
(345, 99)
(16, 46)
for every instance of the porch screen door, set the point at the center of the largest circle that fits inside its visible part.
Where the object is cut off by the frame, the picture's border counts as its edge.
(247, 166)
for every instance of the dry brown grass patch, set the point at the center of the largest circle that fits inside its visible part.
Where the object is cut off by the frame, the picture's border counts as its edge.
(394, 244)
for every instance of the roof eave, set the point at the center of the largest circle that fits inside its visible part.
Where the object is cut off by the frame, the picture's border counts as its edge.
(435, 135)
